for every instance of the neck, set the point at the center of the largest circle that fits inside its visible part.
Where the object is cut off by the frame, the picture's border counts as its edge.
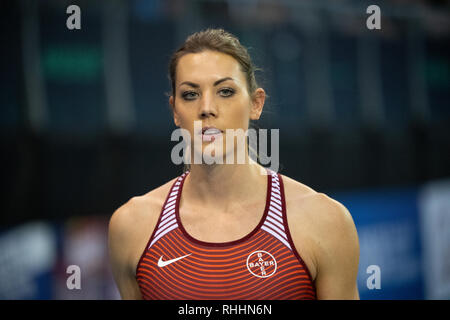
(217, 184)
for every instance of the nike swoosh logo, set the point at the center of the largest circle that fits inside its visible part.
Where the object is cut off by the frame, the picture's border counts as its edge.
(162, 263)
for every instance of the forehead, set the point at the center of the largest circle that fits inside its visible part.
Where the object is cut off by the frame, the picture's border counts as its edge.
(208, 66)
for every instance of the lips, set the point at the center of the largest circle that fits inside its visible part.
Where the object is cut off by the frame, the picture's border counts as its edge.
(210, 133)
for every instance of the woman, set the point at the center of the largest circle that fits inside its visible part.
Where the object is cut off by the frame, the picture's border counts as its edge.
(226, 231)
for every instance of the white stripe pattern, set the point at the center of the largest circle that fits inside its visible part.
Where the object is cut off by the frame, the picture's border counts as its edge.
(276, 196)
(272, 209)
(168, 215)
(162, 229)
(168, 208)
(171, 199)
(168, 221)
(273, 216)
(274, 223)
(277, 201)
(273, 204)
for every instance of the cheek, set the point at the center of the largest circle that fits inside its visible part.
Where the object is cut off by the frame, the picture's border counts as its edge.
(184, 121)
(242, 111)
(184, 114)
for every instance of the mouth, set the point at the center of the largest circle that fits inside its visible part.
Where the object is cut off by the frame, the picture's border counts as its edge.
(210, 133)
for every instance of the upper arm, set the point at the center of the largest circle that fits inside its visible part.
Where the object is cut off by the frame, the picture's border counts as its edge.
(337, 253)
(119, 241)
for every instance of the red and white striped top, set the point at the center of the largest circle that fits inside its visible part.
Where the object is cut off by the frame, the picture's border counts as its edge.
(264, 265)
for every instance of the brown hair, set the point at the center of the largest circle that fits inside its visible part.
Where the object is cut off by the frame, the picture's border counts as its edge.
(215, 40)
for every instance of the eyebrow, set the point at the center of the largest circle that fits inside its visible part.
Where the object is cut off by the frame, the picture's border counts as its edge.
(194, 85)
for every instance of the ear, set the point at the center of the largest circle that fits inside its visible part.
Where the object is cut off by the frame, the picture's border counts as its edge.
(259, 97)
(176, 119)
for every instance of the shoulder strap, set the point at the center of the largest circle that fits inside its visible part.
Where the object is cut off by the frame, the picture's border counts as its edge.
(275, 219)
(167, 219)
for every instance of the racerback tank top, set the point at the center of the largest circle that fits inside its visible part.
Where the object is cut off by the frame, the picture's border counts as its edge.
(264, 265)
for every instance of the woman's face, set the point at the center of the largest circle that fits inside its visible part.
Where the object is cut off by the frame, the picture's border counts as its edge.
(210, 87)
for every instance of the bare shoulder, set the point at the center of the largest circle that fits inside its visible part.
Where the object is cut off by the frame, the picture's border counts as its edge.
(141, 207)
(132, 223)
(318, 224)
(138, 205)
(317, 208)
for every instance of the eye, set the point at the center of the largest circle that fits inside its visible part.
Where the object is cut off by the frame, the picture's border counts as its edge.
(189, 95)
(226, 92)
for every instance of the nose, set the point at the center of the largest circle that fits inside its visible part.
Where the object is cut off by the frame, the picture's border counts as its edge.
(208, 107)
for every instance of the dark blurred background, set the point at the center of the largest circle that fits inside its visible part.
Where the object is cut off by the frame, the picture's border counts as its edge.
(364, 116)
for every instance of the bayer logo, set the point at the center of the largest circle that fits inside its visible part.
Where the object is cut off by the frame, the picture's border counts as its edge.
(261, 264)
